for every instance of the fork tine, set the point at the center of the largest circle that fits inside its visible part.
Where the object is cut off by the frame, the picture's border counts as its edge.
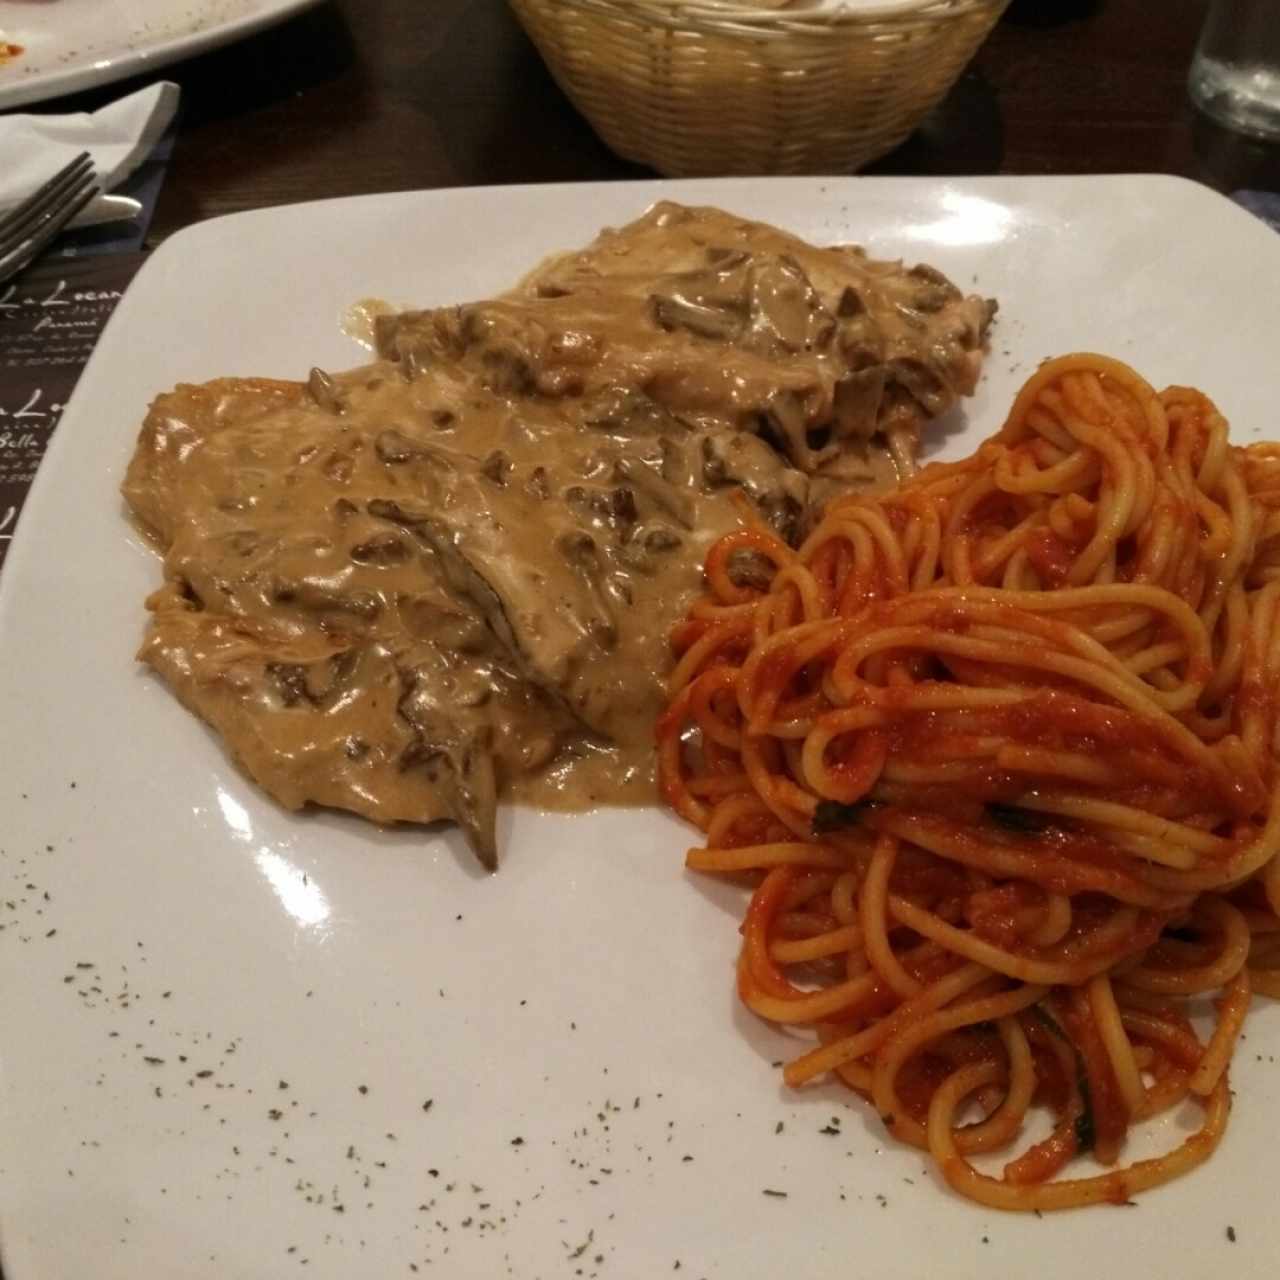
(16, 255)
(50, 214)
(19, 220)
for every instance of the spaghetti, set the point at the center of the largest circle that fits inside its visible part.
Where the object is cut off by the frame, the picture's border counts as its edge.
(998, 750)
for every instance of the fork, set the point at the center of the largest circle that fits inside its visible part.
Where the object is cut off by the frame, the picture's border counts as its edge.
(29, 227)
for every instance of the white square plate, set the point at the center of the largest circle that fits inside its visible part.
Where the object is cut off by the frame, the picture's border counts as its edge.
(69, 45)
(220, 1024)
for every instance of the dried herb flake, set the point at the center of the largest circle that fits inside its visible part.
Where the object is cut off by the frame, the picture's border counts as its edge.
(1012, 818)
(831, 815)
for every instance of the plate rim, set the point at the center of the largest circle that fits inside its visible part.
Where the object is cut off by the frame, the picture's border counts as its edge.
(41, 86)
(190, 237)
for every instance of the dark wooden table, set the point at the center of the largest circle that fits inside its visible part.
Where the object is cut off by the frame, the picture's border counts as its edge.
(380, 95)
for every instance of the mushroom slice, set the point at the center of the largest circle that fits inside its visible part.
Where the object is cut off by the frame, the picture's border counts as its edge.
(324, 391)
(459, 762)
(786, 313)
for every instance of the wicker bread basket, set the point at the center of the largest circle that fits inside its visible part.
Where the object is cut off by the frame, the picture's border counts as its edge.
(713, 87)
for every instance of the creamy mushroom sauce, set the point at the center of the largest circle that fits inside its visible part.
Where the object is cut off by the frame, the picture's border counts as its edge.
(448, 576)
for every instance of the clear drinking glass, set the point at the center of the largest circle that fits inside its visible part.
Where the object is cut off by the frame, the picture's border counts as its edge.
(1235, 74)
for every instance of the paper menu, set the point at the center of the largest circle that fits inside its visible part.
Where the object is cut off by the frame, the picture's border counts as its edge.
(50, 320)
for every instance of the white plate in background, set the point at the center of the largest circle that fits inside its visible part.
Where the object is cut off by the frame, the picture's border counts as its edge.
(599, 1103)
(70, 45)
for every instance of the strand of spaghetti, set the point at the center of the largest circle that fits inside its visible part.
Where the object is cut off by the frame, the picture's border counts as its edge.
(1043, 866)
(779, 657)
(767, 900)
(1248, 858)
(1004, 1123)
(873, 916)
(1271, 884)
(1122, 464)
(932, 1027)
(1231, 959)
(831, 943)
(762, 856)
(1266, 982)
(1108, 1114)
(814, 1007)
(1121, 374)
(1116, 1187)
(1241, 543)
(737, 812)
(791, 804)
(758, 541)
(1044, 1159)
(851, 778)
(1084, 652)
(1261, 923)
(1057, 920)
(1004, 548)
(964, 943)
(1173, 1040)
(1108, 814)
(1068, 765)
(809, 592)
(843, 893)
(717, 787)
(855, 523)
(1078, 599)
(1168, 1089)
(832, 1055)
(1151, 659)
(952, 772)
(806, 885)
(1124, 927)
(1231, 1014)
(716, 638)
(1106, 1016)
(671, 773)
(922, 543)
(1150, 848)
(1233, 620)
(707, 686)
